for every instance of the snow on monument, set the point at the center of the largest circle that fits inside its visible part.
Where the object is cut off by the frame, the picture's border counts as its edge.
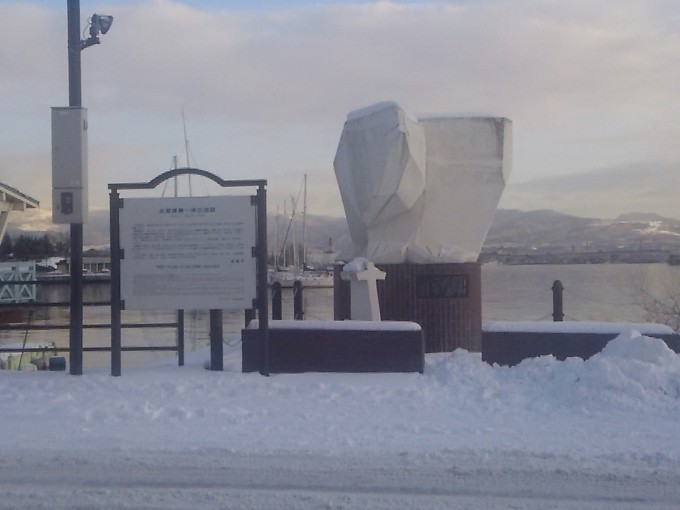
(421, 190)
(419, 196)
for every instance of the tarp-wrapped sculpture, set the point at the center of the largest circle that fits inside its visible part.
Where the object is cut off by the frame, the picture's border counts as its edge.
(422, 190)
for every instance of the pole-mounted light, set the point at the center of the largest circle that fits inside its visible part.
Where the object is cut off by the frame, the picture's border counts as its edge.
(99, 24)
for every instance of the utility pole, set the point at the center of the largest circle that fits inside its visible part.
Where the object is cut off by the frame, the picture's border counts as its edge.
(99, 24)
(76, 268)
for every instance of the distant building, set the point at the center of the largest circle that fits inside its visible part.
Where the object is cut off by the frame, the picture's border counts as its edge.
(12, 199)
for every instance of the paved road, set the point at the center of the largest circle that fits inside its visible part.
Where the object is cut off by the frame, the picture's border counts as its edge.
(213, 479)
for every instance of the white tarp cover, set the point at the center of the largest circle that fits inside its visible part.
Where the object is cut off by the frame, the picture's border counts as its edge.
(421, 190)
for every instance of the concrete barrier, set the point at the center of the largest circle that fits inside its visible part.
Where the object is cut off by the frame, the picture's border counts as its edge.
(508, 343)
(336, 346)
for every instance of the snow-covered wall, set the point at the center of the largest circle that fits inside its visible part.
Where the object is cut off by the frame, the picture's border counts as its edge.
(421, 190)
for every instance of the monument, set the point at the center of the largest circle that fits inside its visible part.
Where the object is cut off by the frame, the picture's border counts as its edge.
(419, 196)
(363, 275)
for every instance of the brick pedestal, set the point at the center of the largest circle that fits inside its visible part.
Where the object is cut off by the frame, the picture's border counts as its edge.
(445, 299)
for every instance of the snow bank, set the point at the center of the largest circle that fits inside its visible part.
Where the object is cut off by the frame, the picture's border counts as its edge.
(636, 368)
(618, 409)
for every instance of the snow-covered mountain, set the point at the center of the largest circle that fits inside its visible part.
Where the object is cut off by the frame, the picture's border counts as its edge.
(558, 213)
(606, 193)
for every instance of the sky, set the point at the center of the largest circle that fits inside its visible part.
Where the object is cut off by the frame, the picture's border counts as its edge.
(265, 87)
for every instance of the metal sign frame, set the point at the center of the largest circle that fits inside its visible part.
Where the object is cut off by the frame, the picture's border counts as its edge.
(260, 199)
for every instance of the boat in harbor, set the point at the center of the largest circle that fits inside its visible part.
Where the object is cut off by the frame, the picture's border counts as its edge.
(309, 278)
(300, 270)
(30, 356)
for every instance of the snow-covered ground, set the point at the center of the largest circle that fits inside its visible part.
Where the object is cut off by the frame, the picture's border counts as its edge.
(601, 433)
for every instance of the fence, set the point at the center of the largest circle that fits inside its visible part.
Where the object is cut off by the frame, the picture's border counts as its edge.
(28, 326)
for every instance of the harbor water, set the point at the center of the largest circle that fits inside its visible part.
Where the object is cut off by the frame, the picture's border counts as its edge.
(598, 292)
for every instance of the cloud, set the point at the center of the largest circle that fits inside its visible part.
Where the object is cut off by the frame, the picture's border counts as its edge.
(603, 193)
(587, 84)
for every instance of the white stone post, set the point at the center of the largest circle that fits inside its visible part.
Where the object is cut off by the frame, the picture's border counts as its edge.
(362, 275)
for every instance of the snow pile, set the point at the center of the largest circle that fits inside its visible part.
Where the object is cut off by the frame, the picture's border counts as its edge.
(619, 408)
(356, 265)
(638, 368)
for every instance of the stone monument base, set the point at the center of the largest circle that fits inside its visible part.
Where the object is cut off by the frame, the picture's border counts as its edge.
(445, 299)
(329, 346)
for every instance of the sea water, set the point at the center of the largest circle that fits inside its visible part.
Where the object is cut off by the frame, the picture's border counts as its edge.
(597, 292)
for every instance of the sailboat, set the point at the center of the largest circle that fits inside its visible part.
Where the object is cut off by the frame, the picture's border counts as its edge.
(300, 270)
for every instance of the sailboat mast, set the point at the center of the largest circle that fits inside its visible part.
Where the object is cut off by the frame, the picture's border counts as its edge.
(285, 215)
(186, 148)
(276, 241)
(296, 263)
(174, 167)
(304, 226)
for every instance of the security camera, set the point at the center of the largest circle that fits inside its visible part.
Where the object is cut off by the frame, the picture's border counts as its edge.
(100, 23)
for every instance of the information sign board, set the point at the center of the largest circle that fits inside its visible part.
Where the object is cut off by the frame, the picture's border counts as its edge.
(188, 253)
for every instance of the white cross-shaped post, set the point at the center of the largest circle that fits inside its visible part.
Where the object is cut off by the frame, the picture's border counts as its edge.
(363, 275)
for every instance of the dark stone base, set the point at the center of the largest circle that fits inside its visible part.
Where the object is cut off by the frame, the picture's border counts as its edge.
(510, 348)
(335, 350)
(445, 299)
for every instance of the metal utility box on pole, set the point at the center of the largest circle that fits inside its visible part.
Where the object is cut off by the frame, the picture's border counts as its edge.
(69, 165)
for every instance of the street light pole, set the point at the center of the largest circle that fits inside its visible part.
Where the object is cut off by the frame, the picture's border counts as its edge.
(76, 267)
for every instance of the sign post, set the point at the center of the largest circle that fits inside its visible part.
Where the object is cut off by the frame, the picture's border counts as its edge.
(188, 253)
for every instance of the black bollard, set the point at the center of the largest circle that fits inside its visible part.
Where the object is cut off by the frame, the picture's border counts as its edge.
(249, 315)
(298, 312)
(216, 338)
(180, 338)
(558, 310)
(277, 313)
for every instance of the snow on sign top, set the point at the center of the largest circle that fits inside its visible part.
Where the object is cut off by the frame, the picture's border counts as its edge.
(388, 161)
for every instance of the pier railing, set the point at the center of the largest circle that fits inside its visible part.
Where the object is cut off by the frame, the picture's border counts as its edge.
(28, 326)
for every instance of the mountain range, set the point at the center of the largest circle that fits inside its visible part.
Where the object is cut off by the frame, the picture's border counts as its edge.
(515, 236)
(550, 237)
(587, 213)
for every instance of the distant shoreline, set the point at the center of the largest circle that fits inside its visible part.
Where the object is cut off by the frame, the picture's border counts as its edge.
(568, 258)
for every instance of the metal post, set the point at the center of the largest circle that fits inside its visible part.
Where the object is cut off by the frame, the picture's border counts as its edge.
(262, 304)
(298, 312)
(341, 295)
(558, 310)
(248, 316)
(180, 338)
(74, 49)
(277, 308)
(116, 305)
(76, 269)
(216, 339)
